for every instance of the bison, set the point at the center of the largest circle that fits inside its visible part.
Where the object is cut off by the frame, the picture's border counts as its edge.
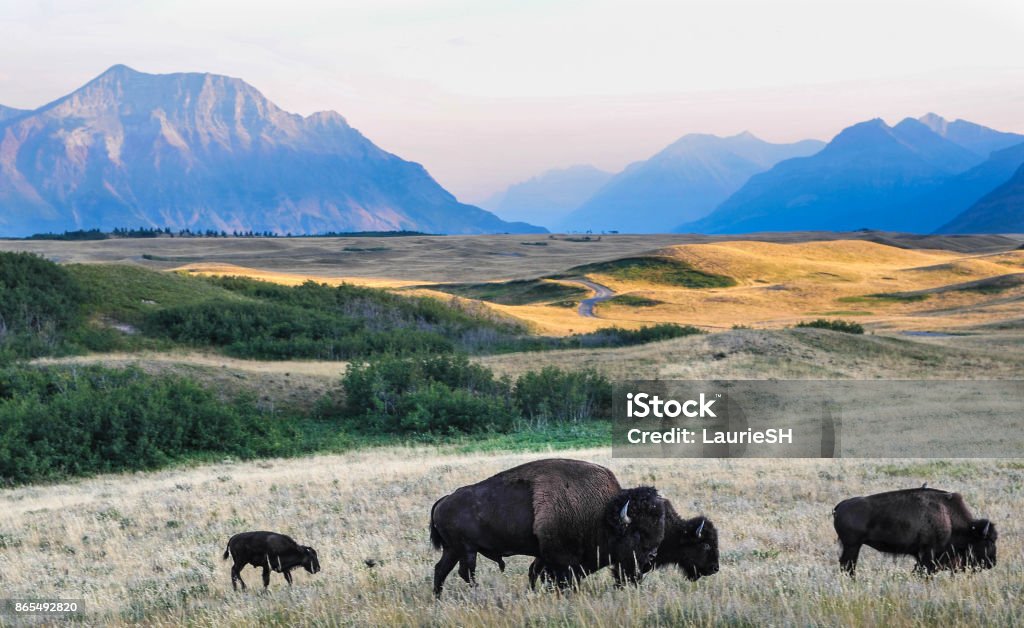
(935, 527)
(573, 515)
(689, 544)
(271, 551)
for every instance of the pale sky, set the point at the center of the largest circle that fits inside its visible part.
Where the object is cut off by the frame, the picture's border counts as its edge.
(487, 93)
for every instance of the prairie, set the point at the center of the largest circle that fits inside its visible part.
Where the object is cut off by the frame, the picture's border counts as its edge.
(887, 282)
(146, 548)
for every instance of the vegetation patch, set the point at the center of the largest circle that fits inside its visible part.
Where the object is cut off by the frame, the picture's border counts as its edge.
(930, 469)
(59, 422)
(441, 395)
(842, 313)
(518, 292)
(898, 297)
(846, 327)
(632, 300)
(657, 270)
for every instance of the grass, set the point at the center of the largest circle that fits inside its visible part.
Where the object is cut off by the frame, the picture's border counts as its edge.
(655, 270)
(129, 293)
(518, 292)
(842, 313)
(632, 300)
(885, 296)
(145, 549)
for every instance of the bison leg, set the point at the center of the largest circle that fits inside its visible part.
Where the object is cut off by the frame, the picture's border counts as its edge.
(236, 576)
(848, 559)
(496, 558)
(444, 567)
(536, 571)
(288, 576)
(266, 576)
(467, 568)
(926, 561)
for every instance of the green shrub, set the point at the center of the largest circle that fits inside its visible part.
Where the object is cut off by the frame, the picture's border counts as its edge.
(39, 303)
(439, 394)
(59, 422)
(658, 270)
(846, 327)
(554, 395)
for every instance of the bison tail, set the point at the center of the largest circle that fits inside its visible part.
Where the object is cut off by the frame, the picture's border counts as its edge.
(435, 534)
(227, 552)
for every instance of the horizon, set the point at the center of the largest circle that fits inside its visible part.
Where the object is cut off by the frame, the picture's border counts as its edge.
(450, 85)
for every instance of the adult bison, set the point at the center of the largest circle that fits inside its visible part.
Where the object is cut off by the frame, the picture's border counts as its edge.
(573, 515)
(935, 527)
(272, 552)
(691, 545)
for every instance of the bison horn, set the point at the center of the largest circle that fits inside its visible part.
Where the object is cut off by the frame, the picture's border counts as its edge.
(623, 514)
(985, 531)
(700, 528)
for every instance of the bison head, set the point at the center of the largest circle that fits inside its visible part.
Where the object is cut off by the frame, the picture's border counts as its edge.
(691, 546)
(979, 552)
(310, 562)
(635, 522)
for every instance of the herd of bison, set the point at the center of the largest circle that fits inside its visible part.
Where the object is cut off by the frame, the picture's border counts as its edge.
(574, 518)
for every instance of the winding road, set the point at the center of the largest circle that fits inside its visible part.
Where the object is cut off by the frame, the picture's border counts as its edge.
(601, 293)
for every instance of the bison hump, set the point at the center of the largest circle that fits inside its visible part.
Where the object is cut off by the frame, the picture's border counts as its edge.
(569, 498)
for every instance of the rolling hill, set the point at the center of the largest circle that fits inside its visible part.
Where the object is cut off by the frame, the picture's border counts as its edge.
(203, 151)
(683, 182)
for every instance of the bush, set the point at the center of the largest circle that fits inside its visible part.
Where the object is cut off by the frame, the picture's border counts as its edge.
(439, 394)
(554, 395)
(846, 327)
(39, 303)
(58, 422)
(276, 331)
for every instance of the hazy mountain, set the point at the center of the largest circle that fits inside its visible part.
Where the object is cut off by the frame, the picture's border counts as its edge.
(867, 176)
(6, 113)
(957, 193)
(547, 198)
(683, 182)
(974, 137)
(207, 151)
(1000, 211)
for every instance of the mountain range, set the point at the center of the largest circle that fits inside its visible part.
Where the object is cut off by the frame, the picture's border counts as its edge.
(686, 180)
(1000, 211)
(549, 197)
(204, 151)
(907, 177)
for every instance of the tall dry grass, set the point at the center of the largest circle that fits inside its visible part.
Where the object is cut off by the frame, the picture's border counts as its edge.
(145, 549)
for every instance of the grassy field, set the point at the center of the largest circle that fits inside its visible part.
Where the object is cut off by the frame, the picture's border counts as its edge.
(145, 549)
(918, 283)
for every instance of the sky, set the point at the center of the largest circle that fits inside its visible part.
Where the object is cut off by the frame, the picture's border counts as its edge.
(488, 93)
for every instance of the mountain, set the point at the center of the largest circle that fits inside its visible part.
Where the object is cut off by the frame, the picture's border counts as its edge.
(547, 198)
(974, 137)
(683, 182)
(961, 191)
(6, 113)
(869, 175)
(201, 151)
(1000, 211)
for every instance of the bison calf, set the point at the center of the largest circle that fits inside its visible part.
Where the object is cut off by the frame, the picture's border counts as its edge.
(271, 551)
(935, 527)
